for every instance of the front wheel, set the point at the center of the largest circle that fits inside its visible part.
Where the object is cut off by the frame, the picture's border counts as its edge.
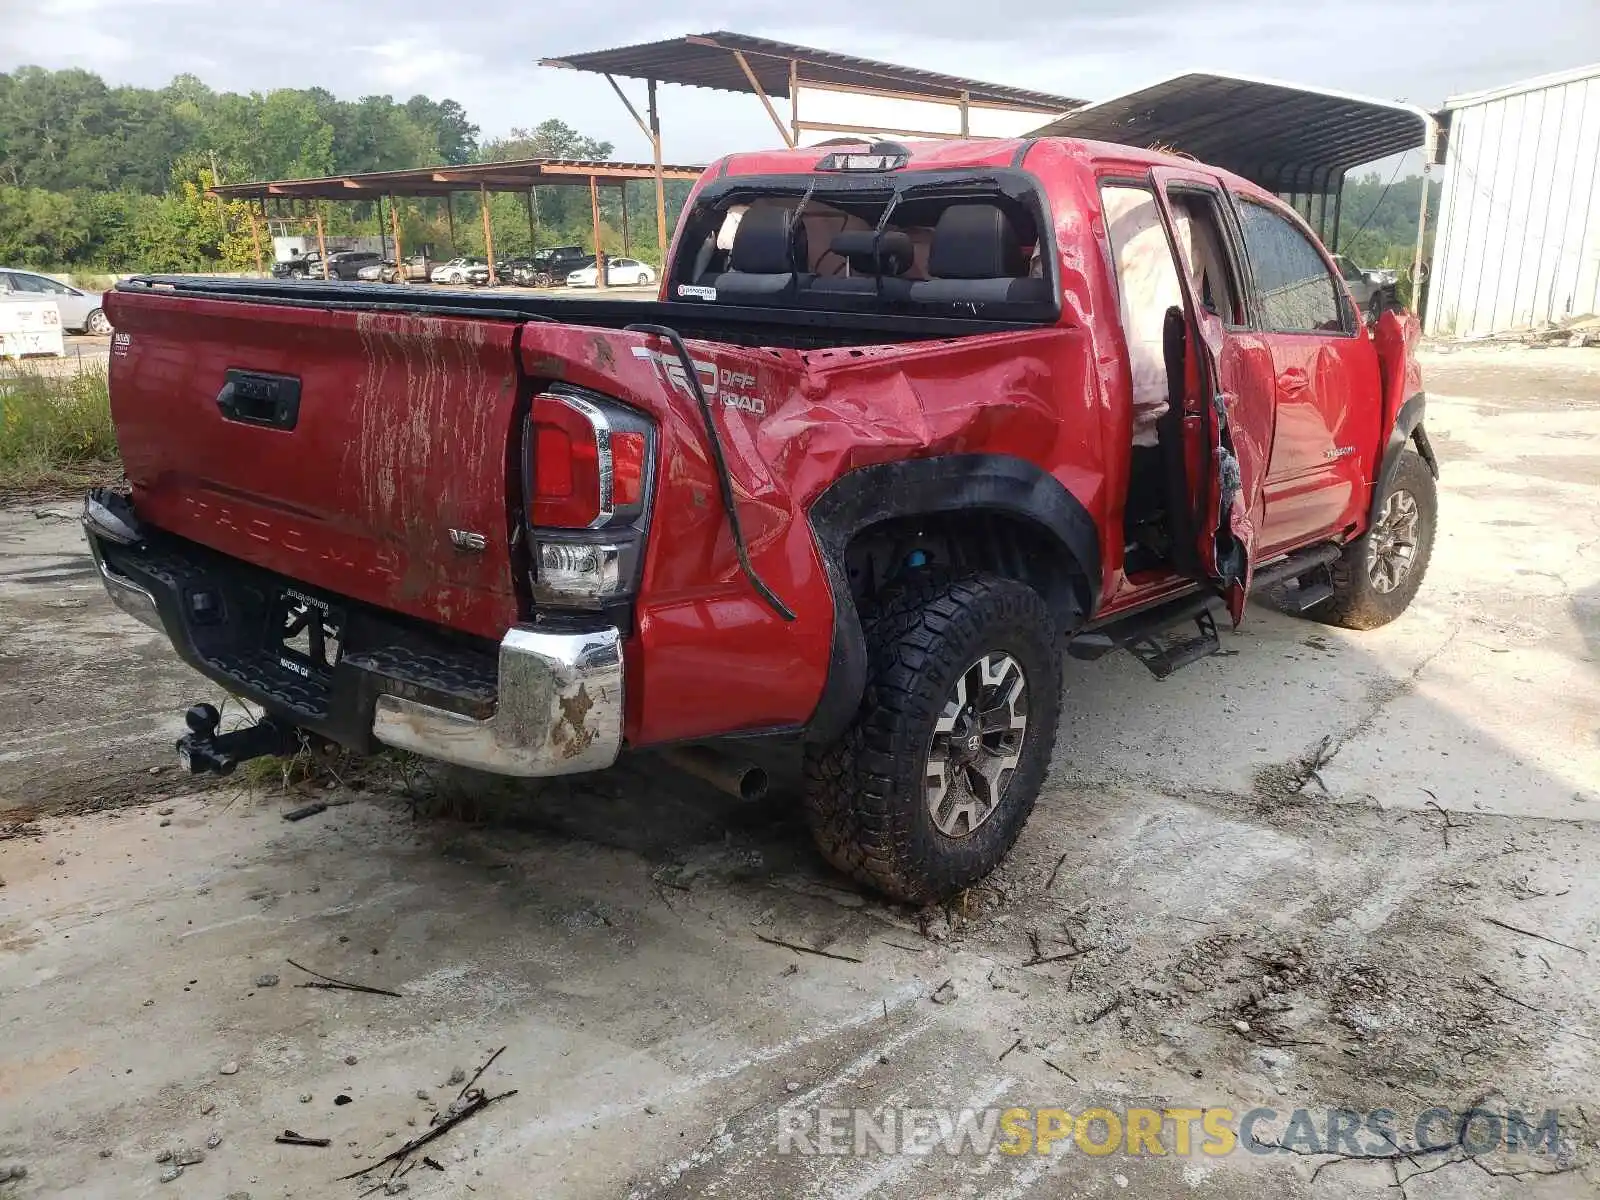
(931, 785)
(1378, 574)
(457, 277)
(98, 324)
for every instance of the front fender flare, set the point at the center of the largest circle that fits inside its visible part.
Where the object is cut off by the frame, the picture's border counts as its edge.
(1407, 427)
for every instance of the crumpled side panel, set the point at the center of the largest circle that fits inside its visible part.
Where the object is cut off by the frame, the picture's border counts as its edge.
(708, 655)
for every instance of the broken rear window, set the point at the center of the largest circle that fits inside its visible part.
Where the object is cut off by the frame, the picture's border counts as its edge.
(916, 242)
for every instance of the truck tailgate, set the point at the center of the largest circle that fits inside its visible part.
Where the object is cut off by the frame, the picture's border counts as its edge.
(390, 483)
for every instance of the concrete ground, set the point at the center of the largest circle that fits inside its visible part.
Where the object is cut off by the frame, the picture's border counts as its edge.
(1324, 869)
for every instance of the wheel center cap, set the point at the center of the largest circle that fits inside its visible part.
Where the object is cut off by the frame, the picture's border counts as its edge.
(973, 744)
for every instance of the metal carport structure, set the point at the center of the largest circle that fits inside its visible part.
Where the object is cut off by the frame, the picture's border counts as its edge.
(1293, 140)
(769, 70)
(521, 176)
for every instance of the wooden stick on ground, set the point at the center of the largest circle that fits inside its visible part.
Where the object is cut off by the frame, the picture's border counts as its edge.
(328, 981)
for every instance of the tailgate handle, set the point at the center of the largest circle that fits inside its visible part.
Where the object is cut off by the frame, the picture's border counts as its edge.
(255, 398)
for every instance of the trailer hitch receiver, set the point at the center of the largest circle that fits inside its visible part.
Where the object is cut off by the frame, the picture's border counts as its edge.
(204, 751)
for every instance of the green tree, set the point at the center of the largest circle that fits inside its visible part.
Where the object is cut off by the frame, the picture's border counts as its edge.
(552, 138)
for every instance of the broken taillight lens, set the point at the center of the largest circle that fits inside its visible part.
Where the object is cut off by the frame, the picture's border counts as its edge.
(589, 467)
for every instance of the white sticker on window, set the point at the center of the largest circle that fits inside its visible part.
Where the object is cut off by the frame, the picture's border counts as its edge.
(697, 293)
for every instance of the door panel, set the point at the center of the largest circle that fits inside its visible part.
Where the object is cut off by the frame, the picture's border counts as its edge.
(1233, 420)
(1326, 382)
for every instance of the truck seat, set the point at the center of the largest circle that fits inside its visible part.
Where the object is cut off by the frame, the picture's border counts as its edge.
(765, 252)
(877, 262)
(977, 257)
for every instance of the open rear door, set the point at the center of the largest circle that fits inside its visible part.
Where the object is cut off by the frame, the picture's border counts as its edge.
(1229, 433)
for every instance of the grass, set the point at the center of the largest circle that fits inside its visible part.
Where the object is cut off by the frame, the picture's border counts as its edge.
(55, 430)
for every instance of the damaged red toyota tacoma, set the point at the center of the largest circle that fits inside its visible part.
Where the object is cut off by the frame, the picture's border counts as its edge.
(908, 427)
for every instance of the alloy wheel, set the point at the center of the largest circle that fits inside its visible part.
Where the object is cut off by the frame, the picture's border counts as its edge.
(976, 744)
(1392, 548)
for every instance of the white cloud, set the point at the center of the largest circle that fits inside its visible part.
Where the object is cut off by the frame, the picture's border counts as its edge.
(483, 53)
(415, 64)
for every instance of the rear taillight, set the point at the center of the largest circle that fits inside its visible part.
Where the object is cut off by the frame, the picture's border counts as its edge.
(590, 462)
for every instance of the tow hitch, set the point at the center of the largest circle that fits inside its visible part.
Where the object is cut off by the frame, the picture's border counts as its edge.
(204, 751)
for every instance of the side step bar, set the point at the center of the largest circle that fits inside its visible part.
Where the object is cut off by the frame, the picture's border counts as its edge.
(1149, 635)
(1308, 568)
(1140, 635)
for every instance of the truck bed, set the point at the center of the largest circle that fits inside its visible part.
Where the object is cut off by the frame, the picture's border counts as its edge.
(780, 327)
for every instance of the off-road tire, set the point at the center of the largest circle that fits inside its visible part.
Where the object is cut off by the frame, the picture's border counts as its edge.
(864, 795)
(1356, 603)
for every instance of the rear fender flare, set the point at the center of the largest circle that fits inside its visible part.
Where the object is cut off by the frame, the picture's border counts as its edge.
(950, 484)
(1407, 427)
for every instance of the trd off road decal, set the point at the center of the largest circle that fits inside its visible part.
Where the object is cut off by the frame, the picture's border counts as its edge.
(735, 388)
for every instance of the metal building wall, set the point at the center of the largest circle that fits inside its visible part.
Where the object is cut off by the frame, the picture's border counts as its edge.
(1518, 242)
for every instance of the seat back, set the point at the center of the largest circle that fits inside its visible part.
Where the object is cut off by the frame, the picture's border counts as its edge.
(977, 256)
(876, 261)
(769, 256)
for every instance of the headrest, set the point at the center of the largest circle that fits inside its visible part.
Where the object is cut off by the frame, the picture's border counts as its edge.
(975, 241)
(886, 253)
(765, 245)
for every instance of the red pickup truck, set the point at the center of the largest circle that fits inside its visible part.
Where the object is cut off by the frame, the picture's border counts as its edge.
(907, 426)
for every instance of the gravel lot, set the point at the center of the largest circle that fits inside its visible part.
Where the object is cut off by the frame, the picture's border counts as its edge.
(1270, 881)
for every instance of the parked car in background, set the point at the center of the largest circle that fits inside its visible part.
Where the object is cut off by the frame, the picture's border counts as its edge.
(348, 264)
(551, 266)
(461, 270)
(342, 264)
(1373, 289)
(305, 266)
(620, 272)
(416, 267)
(80, 311)
(517, 270)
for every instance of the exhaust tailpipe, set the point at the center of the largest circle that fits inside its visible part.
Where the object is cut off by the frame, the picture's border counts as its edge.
(731, 775)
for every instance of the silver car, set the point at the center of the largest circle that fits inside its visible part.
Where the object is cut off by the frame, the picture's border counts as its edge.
(81, 311)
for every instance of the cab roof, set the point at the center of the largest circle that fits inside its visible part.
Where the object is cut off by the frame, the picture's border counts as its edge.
(946, 154)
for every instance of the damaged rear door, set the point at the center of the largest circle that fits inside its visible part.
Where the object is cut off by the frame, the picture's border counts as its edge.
(1228, 403)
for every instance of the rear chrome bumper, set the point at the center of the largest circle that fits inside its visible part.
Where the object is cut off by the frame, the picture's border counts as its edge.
(555, 707)
(127, 595)
(559, 713)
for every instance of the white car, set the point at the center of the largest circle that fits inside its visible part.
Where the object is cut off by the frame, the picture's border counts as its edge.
(461, 270)
(81, 311)
(620, 272)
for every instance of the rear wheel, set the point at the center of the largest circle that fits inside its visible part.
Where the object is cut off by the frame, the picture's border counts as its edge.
(930, 787)
(1376, 577)
(98, 324)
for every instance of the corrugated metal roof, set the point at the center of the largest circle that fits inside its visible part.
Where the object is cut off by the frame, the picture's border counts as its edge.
(706, 60)
(1279, 135)
(512, 175)
(1537, 84)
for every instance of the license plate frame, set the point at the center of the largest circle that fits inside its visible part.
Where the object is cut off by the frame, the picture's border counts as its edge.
(306, 633)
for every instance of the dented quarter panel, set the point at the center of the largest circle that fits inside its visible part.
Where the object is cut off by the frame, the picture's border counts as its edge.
(402, 436)
(708, 655)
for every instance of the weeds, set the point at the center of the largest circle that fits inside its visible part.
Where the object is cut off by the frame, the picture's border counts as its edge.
(55, 430)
